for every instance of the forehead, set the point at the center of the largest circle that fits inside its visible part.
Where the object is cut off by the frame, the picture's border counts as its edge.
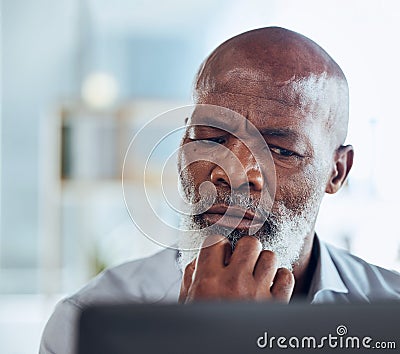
(313, 94)
(261, 112)
(301, 103)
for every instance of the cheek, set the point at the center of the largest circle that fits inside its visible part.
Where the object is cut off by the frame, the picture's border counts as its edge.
(193, 176)
(300, 189)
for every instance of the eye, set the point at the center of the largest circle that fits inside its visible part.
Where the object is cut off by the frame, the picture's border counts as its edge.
(282, 152)
(217, 140)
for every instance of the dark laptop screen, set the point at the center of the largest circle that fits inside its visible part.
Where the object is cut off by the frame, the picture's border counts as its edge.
(240, 328)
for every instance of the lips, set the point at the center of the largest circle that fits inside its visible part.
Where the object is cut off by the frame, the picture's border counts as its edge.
(232, 217)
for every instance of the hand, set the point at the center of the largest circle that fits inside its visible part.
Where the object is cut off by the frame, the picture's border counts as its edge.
(248, 273)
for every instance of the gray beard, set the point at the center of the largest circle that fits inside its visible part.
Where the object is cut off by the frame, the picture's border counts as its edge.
(284, 232)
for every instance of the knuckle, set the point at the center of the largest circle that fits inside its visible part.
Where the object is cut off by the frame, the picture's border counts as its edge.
(249, 242)
(233, 282)
(236, 285)
(269, 257)
(262, 294)
(285, 277)
(206, 282)
(200, 287)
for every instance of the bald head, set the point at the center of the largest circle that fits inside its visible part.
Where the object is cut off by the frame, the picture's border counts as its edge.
(281, 66)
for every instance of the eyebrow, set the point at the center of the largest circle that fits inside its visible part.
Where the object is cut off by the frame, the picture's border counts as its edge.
(280, 133)
(211, 122)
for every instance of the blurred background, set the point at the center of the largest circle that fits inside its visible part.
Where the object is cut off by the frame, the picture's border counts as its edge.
(80, 77)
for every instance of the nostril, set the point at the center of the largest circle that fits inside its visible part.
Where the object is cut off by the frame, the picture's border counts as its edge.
(244, 187)
(222, 181)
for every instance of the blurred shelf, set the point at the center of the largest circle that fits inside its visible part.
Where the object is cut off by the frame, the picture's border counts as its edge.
(83, 204)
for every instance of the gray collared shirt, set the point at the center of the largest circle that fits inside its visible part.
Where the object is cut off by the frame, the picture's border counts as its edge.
(339, 277)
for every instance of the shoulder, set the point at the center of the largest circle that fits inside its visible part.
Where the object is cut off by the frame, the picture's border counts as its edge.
(60, 333)
(144, 280)
(364, 279)
(152, 279)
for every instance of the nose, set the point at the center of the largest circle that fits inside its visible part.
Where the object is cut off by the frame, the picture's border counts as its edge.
(238, 170)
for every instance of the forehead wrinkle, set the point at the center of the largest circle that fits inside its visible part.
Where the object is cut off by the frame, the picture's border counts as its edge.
(258, 113)
(302, 92)
(225, 98)
(281, 100)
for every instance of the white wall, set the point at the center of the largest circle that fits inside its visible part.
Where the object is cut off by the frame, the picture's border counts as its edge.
(39, 67)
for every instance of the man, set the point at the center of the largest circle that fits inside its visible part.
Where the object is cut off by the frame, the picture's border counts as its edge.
(257, 245)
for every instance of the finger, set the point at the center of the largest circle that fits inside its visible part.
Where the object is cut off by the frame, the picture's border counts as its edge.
(245, 255)
(212, 254)
(283, 286)
(186, 281)
(266, 267)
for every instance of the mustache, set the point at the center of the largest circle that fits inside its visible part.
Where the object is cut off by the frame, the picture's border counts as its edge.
(236, 199)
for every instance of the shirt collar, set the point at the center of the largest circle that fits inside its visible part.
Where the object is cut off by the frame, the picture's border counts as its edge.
(326, 276)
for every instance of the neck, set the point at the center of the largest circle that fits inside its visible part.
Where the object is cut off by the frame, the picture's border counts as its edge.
(303, 271)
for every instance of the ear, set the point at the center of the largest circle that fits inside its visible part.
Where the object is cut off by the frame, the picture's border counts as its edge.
(341, 168)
